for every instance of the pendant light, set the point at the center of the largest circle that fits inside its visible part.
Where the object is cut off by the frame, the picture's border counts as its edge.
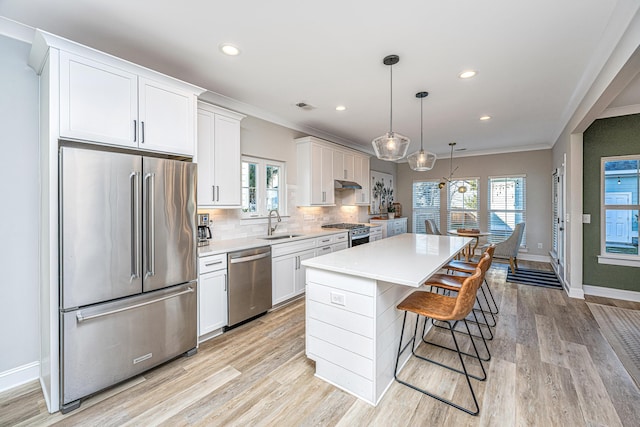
(391, 146)
(421, 161)
(462, 188)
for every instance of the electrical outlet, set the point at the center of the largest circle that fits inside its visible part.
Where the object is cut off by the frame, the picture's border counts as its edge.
(539, 245)
(337, 298)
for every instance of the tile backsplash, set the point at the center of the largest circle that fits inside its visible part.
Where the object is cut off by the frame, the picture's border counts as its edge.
(228, 223)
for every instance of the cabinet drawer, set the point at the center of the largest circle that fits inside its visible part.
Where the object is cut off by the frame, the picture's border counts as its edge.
(212, 263)
(281, 249)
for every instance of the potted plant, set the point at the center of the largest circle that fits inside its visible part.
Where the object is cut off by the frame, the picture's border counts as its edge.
(391, 211)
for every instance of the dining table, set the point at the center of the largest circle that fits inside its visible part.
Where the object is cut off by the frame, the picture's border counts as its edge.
(475, 234)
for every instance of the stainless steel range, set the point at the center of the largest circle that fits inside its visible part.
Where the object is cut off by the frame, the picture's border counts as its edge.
(358, 233)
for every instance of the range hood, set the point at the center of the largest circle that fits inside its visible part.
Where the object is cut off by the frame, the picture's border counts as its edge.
(346, 185)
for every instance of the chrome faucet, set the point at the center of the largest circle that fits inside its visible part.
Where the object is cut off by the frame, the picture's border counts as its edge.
(270, 229)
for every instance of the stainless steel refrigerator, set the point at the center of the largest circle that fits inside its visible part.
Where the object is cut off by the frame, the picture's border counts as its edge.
(128, 267)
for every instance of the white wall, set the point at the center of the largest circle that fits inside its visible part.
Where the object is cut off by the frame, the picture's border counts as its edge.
(19, 177)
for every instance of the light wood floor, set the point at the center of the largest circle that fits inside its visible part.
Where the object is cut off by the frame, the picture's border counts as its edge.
(550, 367)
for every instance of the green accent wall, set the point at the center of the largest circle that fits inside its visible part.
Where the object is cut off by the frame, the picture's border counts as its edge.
(616, 136)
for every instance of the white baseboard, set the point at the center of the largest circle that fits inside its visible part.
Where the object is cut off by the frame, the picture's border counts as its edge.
(20, 375)
(575, 293)
(600, 291)
(536, 258)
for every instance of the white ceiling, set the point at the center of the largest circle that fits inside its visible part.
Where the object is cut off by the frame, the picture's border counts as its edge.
(531, 58)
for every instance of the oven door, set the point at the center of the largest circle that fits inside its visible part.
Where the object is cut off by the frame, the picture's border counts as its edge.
(359, 240)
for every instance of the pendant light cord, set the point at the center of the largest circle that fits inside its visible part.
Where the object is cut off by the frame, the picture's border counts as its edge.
(391, 103)
(421, 122)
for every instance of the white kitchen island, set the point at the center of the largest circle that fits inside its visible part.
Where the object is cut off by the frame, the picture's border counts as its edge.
(352, 324)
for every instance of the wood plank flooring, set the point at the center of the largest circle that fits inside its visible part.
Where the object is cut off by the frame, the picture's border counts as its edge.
(550, 366)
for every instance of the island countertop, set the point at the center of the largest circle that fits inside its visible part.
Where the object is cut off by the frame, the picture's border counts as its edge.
(406, 259)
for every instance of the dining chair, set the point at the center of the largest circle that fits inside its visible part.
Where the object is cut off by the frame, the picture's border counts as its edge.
(508, 249)
(448, 310)
(431, 227)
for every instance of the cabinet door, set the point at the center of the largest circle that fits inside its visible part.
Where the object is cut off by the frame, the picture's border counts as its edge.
(327, 176)
(348, 167)
(339, 246)
(206, 189)
(97, 102)
(338, 165)
(362, 177)
(301, 271)
(167, 117)
(283, 270)
(212, 301)
(226, 161)
(322, 187)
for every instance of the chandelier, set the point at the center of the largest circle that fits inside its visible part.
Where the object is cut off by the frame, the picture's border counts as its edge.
(462, 188)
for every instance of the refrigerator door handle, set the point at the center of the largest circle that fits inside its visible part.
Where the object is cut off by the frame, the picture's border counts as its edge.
(82, 318)
(134, 177)
(151, 238)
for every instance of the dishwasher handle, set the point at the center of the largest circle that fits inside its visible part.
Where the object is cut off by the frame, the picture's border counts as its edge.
(238, 260)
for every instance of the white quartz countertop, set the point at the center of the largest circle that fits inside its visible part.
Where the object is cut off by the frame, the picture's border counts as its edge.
(216, 247)
(406, 259)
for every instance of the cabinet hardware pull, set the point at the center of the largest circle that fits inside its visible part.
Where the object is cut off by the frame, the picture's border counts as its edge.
(213, 193)
(135, 131)
(142, 129)
(213, 263)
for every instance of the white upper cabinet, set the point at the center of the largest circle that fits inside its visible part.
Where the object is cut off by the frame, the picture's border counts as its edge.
(167, 118)
(362, 177)
(219, 164)
(106, 100)
(320, 163)
(315, 172)
(97, 102)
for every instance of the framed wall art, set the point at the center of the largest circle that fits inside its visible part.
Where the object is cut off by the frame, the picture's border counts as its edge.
(381, 192)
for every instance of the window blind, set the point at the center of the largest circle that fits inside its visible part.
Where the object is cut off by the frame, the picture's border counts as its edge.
(507, 198)
(426, 204)
(463, 206)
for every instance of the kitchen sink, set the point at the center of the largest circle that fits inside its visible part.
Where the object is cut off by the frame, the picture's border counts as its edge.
(281, 236)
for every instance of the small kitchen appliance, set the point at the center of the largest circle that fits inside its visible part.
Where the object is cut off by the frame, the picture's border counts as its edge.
(204, 232)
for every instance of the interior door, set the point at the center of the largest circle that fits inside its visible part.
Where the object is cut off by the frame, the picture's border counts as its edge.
(99, 200)
(169, 223)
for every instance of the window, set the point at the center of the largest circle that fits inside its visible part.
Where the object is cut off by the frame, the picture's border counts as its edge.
(426, 204)
(619, 212)
(463, 206)
(262, 187)
(507, 196)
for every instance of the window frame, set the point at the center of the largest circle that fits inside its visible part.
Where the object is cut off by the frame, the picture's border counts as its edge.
(436, 210)
(523, 211)
(261, 187)
(466, 180)
(630, 260)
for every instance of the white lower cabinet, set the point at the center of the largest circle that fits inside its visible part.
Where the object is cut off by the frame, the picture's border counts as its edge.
(288, 273)
(391, 227)
(212, 298)
(375, 234)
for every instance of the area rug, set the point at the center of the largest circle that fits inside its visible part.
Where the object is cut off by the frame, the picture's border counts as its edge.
(526, 276)
(621, 328)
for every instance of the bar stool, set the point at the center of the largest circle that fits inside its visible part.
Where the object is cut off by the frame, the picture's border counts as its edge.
(448, 310)
(451, 283)
(469, 268)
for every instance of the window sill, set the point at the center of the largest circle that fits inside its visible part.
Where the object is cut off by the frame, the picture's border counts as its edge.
(625, 262)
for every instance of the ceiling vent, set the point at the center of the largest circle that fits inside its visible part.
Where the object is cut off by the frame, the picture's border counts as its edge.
(305, 106)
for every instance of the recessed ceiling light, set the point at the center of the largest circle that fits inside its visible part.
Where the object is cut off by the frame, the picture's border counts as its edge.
(341, 108)
(229, 49)
(485, 118)
(467, 74)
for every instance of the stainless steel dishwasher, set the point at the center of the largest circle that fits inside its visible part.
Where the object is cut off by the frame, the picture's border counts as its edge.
(249, 283)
